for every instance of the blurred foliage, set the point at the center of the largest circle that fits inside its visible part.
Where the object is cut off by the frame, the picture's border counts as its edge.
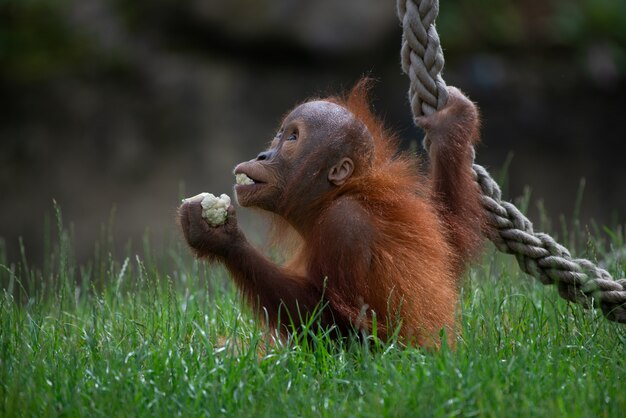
(41, 40)
(38, 39)
(580, 20)
(463, 23)
(502, 23)
(139, 13)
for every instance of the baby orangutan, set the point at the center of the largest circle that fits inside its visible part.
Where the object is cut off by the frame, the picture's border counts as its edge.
(376, 239)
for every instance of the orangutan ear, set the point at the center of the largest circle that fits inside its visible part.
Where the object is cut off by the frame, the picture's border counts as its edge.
(341, 172)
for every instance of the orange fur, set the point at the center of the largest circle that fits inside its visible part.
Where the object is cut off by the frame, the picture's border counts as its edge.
(385, 247)
(411, 267)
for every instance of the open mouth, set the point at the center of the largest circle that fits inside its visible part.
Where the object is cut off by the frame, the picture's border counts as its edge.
(250, 181)
(242, 179)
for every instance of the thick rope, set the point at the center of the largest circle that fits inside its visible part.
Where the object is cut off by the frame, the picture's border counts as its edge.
(422, 57)
(538, 254)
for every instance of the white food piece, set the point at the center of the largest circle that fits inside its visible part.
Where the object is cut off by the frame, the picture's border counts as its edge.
(196, 198)
(215, 209)
(243, 179)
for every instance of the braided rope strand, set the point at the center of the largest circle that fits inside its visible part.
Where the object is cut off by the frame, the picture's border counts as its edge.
(538, 254)
(422, 57)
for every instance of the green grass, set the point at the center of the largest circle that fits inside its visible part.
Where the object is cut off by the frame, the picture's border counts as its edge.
(133, 336)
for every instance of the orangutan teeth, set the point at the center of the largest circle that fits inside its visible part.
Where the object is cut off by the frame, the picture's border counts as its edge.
(243, 179)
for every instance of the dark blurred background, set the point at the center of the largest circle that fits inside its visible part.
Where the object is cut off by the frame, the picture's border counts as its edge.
(112, 105)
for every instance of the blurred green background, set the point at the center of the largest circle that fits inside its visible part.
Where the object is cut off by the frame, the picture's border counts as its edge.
(127, 104)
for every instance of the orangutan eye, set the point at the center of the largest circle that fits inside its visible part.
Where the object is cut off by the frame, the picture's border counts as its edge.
(279, 134)
(293, 137)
